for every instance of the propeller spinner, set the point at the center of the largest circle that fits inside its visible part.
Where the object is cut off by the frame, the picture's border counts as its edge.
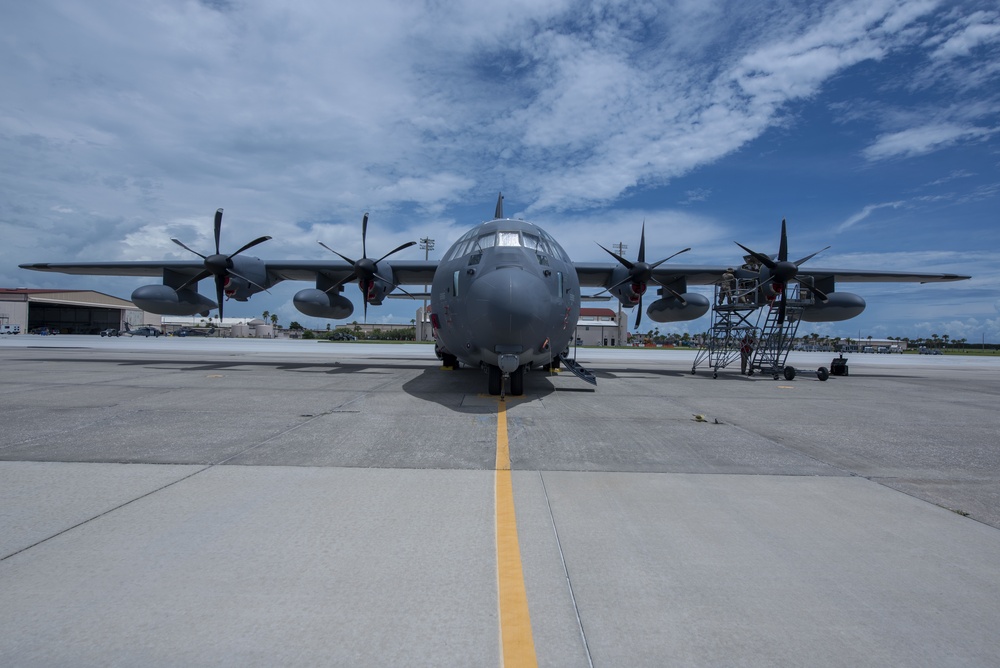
(640, 273)
(219, 265)
(783, 271)
(366, 269)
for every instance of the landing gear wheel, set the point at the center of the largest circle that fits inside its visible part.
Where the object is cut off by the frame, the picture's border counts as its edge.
(715, 374)
(449, 360)
(789, 373)
(822, 373)
(517, 382)
(495, 380)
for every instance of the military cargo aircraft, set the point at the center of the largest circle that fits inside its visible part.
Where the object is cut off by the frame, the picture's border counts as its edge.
(505, 297)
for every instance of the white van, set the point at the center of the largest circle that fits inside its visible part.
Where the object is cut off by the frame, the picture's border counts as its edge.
(10, 329)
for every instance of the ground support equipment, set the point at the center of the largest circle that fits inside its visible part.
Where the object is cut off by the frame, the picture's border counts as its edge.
(730, 327)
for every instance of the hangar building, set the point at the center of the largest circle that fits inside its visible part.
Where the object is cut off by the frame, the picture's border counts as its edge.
(69, 311)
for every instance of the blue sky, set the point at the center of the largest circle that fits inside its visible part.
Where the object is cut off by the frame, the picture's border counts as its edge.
(871, 126)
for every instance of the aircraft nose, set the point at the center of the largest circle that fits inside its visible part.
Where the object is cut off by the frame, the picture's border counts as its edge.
(508, 307)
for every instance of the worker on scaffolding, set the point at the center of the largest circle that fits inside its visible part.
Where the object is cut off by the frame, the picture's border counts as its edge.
(746, 348)
(747, 287)
(727, 287)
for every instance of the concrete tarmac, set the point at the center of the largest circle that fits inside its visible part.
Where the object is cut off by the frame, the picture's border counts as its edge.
(232, 502)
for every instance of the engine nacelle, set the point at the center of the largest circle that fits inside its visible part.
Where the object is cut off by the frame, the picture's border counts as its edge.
(839, 306)
(319, 304)
(237, 288)
(164, 300)
(670, 309)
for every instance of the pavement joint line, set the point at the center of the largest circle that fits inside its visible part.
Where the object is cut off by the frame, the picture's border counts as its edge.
(190, 475)
(516, 641)
(569, 581)
(106, 512)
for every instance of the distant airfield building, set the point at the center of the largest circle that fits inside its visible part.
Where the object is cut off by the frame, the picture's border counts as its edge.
(600, 327)
(69, 311)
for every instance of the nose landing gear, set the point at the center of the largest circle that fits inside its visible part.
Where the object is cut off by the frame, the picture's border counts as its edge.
(496, 381)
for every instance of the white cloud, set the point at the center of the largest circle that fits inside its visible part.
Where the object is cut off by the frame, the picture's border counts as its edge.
(863, 214)
(921, 140)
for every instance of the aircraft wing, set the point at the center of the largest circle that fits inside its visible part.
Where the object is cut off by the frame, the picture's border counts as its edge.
(412, 272)
(598, 274)
(868, 276)
(117, 268)
(405, 272)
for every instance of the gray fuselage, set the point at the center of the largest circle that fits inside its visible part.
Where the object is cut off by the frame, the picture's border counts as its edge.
(506, 288)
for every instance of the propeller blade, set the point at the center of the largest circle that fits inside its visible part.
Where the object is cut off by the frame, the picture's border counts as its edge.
(258, 240)
(657, 264)
(676, 294)
(781, 308)
(816, 291)
(760, 257)
(783, 247)
(218, 230)
(346, 259)
(339, 284)
(364, 296)
(638, 313)
(619, 283)
(220, 293)
(177, 241)
(809, 257)
(244, 278)
(625, 263)
(642, 243)
(393, 286)
(396, 250)
(204, 274)
(364, 235)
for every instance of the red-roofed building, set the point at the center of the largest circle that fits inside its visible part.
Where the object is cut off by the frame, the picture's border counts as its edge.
(600, 327)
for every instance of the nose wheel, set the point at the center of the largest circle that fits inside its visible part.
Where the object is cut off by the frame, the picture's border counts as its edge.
(495, 381)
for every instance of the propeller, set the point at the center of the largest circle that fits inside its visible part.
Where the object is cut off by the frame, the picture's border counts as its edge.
(640, 273)
(366, 269)
(219, 265)
(783, 271)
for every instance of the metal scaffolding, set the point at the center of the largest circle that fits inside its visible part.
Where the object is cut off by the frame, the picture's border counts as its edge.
(732, 309)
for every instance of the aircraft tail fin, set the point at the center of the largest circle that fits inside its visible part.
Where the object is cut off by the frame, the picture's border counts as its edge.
(499, 212)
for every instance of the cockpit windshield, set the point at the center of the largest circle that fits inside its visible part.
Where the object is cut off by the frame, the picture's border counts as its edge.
(476, 241)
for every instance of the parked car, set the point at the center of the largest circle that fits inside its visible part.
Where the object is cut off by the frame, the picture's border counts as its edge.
(110, 332)
(342, 336)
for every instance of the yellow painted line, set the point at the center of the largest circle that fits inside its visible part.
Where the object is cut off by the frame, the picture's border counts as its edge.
(516, 642)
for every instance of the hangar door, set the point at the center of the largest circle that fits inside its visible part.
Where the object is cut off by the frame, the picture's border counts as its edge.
(68, 319)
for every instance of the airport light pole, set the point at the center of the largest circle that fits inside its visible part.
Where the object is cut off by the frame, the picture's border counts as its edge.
(427, 245)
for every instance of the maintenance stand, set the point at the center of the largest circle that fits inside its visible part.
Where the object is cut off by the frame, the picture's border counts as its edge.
(731, 328)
